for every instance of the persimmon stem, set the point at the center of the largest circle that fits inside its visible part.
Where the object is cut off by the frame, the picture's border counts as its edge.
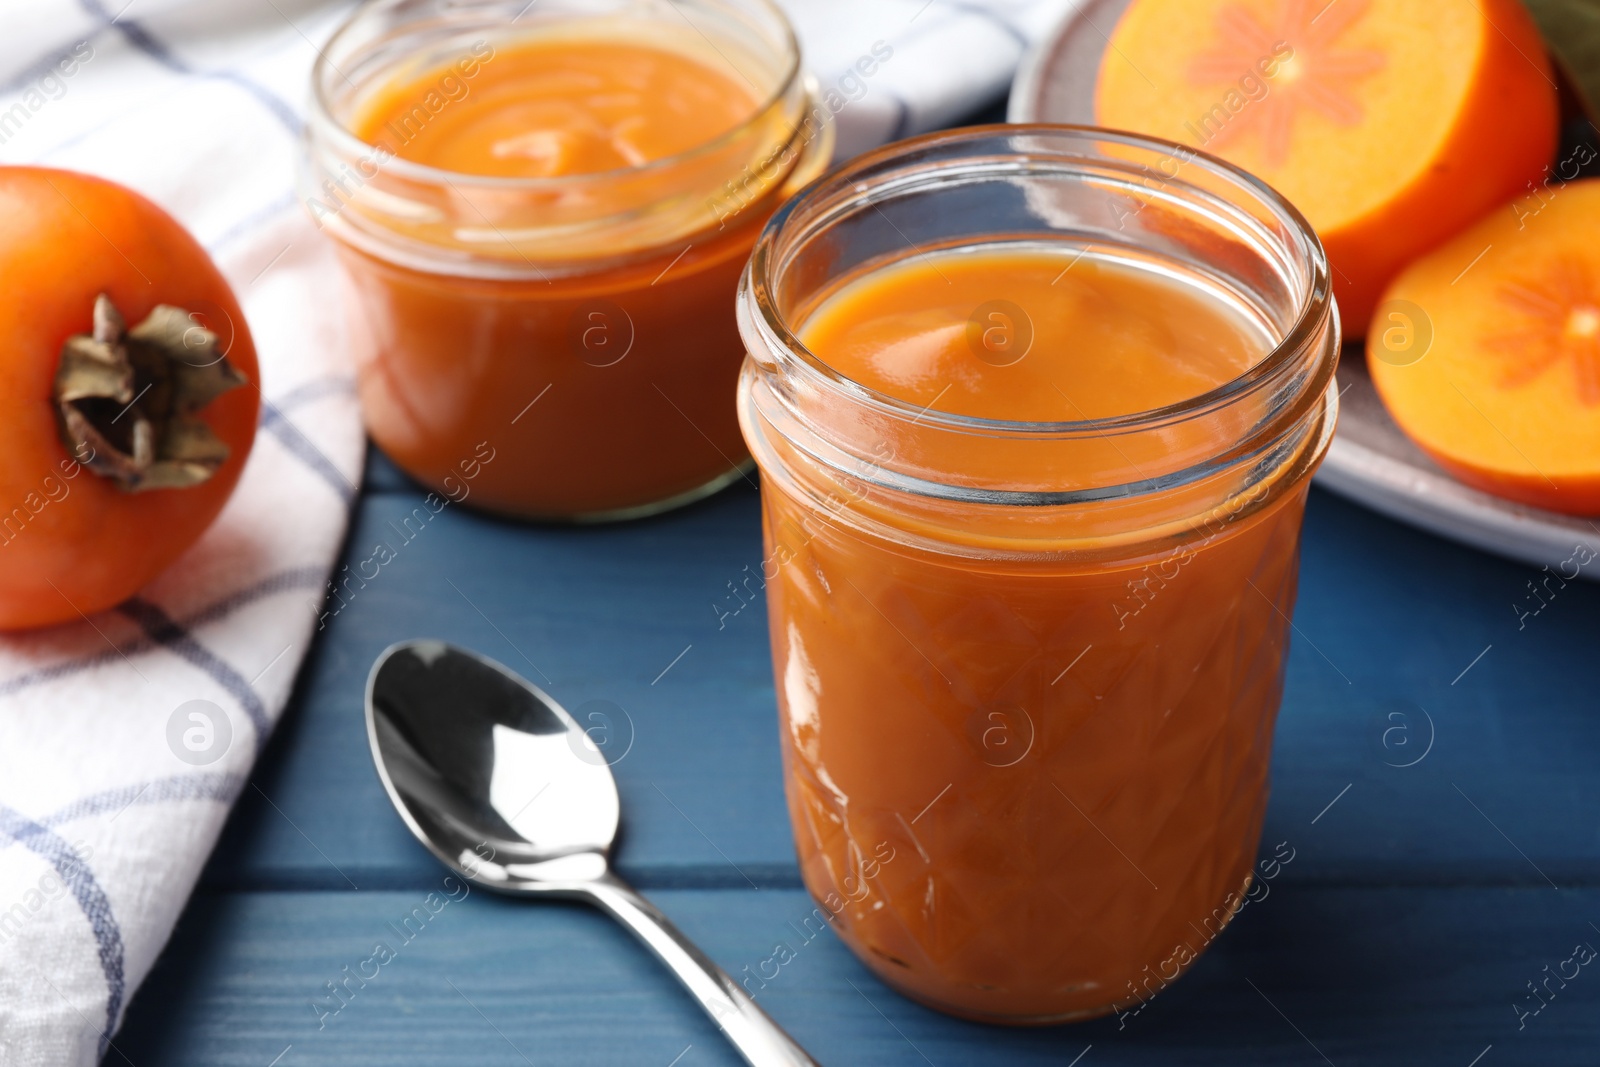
(128, 398)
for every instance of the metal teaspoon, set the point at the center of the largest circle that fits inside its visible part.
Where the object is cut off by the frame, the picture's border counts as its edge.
(465, 748)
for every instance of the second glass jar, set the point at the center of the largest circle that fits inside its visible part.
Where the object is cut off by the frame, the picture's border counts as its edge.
(577, 329)
(1027, 670)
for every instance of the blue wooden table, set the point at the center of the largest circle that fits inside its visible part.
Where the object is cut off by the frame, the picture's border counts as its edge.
(1436, 773)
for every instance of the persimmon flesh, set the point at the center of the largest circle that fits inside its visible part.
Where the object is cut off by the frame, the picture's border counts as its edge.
(102, 491)
(1391, 124)
(1487, 352)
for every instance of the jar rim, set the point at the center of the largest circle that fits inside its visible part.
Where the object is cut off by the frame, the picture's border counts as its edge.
(1316, 302)
(323, 121)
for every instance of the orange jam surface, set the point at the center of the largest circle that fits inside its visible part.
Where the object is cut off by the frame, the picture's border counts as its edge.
(1101, 338)
(600, 369)
(546, 108)
(1029, 787)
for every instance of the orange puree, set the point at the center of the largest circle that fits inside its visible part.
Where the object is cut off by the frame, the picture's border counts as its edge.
(577, 312)
(544, 108)
(1031, 785)
(1110, 337)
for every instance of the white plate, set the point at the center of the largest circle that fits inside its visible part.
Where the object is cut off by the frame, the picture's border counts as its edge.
(1370, 460)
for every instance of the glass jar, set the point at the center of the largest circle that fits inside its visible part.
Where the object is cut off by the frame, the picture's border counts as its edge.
(1027, 672)
(576, 330)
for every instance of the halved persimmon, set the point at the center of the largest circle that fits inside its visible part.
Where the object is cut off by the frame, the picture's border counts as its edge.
(1391, 124)
(1487, 352)
(127, 394)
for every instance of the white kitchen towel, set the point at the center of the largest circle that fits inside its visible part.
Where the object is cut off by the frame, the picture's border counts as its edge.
(125, 738)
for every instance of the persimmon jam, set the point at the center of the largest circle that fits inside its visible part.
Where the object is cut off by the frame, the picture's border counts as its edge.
(547, 108)
(1076, 335)
(543, 245)
(1063, 753)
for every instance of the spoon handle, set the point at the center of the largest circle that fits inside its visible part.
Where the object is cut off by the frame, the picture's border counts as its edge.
(752, 1031)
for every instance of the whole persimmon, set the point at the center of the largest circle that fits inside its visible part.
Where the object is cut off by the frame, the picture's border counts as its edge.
(128, 394)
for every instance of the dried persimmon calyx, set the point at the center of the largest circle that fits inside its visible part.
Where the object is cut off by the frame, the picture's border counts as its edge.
(127, 398)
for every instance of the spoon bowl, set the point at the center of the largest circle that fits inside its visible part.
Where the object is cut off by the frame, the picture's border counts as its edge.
(506, 789)
(489, 772)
